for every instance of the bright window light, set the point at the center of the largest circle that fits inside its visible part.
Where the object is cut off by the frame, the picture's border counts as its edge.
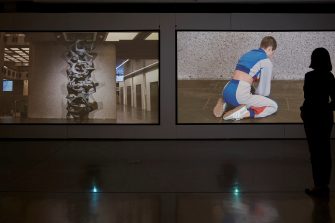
(26, 49)
(14, 49)
(7, 85)
(120, 36)
(152, 36)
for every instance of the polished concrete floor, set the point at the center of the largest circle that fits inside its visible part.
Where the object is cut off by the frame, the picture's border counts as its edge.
(124, 115)
(196, 99)
(159, 181)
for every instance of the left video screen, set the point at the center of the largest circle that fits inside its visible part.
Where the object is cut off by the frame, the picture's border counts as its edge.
(80, 77)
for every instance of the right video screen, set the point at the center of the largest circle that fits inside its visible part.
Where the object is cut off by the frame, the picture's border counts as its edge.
(244, 77)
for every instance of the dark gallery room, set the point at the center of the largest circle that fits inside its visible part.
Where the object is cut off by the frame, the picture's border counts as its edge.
(167, 111)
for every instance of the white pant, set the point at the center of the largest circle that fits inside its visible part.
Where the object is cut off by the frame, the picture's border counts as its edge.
(238, 93)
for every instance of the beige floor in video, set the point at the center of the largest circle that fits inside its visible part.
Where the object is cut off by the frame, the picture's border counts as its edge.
(196, 99)
(125, 115)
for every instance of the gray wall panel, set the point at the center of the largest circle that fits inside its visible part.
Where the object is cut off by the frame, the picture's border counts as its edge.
(167, 82)
(294, 131)
(297, 131)
(203, 21)
(166, 23)
(230, 131)
(33, 131)
(117, 132)
(278, 21)
(78, 21)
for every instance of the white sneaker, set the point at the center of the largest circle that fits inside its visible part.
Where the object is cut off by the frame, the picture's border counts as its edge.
(237, 113)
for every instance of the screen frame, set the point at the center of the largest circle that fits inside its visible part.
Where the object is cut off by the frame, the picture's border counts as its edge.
(167, 24)
(234, 31)
(83, 123)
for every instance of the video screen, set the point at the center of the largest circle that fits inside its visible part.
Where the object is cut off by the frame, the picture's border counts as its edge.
(7, 85)
(244, 77)
(81, 77)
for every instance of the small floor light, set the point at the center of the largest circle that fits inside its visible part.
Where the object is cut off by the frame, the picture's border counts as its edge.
(94, 190)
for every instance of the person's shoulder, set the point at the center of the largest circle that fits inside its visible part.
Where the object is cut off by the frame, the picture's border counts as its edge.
(331, 75)
(309, 74)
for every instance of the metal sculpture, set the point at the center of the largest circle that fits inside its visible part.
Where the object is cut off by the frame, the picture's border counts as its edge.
(80, 86)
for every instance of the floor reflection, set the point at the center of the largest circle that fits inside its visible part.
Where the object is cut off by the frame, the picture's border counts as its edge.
(321, 210)
(87, 210)
(249, 212)
(158, 181)
(78, 208)
(254, 208)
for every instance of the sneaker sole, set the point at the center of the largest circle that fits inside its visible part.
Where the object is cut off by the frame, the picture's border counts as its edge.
(219, 109)
(228, 113)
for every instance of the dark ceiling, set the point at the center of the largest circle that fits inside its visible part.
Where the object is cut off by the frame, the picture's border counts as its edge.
(169, 6)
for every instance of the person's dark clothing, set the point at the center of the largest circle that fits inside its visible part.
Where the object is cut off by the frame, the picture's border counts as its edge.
(317, 115)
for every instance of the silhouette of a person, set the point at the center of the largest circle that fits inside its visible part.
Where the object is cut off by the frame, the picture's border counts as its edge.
(317, 115)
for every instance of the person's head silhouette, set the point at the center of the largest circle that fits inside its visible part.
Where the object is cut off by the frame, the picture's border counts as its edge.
(320, 60)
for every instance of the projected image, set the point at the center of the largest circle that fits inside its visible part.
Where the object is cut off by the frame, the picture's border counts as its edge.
(244, 77)
(80, 77)
(7, 85)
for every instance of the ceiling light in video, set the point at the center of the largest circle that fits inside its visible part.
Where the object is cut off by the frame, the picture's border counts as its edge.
(120, 36)
(152, 36)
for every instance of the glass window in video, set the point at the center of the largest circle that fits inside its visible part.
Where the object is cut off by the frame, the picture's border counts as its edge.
(244, 77)
(79, 77)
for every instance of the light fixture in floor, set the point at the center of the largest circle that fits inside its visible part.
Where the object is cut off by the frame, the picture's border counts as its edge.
(95, 189)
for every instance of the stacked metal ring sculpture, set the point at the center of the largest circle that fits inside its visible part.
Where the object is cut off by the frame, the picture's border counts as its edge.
(80, 86)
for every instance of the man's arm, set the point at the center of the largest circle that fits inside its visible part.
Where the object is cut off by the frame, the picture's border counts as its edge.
(264, 85)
